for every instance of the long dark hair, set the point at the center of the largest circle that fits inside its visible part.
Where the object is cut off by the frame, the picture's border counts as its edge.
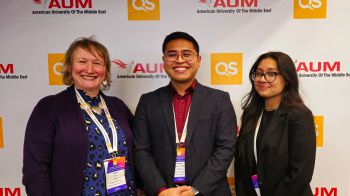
(253, 103)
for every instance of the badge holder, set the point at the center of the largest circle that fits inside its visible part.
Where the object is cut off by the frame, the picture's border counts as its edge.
(255, 182)
(179, 177)
(115, 174)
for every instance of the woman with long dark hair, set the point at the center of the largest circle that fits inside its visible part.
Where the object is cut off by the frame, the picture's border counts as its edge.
(276, 146)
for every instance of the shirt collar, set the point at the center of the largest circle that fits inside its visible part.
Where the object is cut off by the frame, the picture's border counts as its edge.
(189, 90)
(91, 100)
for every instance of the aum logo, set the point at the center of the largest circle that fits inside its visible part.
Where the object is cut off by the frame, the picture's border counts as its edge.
(143, 10)
(229, 3)
(6, 69)
(324, 191)
(55, 66)
(64, 4)
(226, 68)
(320, 66)
(137, 67)
(319, 130)
(5, 191)
(304, 9)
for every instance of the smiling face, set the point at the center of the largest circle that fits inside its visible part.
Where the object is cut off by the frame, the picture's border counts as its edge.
(88, 71)
(270, 91)
(181, 71)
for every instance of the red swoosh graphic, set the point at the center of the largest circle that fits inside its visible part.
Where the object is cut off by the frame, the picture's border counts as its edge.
(120, 63)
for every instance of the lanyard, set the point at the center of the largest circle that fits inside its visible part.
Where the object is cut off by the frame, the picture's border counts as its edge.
(184, 132)
(257, 189)
(255, 137)
(111, 149)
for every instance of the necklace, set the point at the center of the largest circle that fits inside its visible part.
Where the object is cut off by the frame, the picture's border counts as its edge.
(96, 109)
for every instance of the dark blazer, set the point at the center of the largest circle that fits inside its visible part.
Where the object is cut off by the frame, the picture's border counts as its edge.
(210, 140)
(286, 157)
(56, 144)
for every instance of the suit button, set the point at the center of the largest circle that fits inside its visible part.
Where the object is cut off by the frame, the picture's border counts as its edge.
(260, 183)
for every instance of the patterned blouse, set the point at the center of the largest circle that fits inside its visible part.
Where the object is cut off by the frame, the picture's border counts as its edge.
(94, 182)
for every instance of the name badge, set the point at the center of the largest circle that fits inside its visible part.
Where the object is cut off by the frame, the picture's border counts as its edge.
(255, 182)
(115, 174)
(180, 177)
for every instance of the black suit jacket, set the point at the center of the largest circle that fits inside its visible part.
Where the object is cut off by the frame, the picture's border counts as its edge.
(210, 140)
(286, 157)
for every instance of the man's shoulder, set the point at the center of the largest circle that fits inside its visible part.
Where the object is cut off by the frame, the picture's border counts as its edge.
(155, 93)
(210, 90)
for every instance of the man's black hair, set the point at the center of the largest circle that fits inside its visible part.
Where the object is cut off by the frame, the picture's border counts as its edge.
(180, 35)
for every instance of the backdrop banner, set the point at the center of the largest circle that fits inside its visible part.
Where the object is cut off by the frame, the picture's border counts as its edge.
(35, 34)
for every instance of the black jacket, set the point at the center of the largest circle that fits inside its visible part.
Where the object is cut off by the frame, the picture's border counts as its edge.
(286, 157)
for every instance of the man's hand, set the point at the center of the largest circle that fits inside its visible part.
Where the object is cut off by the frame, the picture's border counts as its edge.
(176, 191)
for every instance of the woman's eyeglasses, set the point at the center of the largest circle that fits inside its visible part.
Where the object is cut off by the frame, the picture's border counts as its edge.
(269, 76)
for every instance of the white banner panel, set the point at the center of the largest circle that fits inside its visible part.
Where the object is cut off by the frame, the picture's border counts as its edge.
(231, 33)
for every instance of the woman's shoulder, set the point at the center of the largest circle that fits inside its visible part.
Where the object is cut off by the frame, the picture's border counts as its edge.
(54, 102)
(298, 109)
(52, 98)
(114, 99)
(299, 112)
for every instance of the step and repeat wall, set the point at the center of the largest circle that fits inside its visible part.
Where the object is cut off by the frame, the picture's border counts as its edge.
(231, 33)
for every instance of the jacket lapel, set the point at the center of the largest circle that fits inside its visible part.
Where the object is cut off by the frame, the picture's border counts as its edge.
(272, 127)
(167, 107)
(195, 111)
(73, 116)
(249, 146)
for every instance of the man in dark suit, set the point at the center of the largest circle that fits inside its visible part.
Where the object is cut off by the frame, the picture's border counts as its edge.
(185, 133)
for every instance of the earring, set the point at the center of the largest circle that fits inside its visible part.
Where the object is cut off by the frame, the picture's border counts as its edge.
(104, 82)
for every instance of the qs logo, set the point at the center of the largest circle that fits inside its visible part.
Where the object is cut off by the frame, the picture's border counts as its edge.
(143, 10)
(319, 130)
(304, 9)
(55, 64)
(1, 134)
(226, 68)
